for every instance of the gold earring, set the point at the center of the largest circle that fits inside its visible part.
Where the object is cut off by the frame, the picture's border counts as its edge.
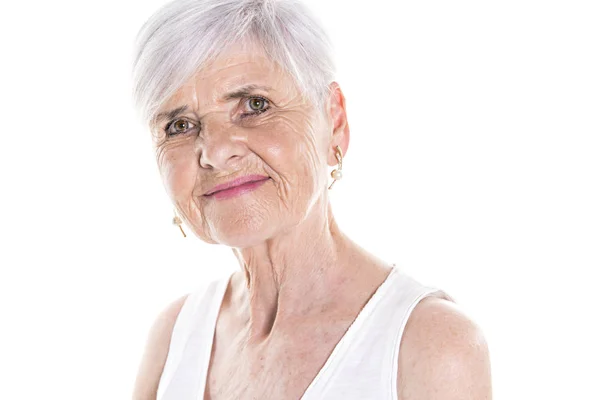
(177, 221)
(336, 174)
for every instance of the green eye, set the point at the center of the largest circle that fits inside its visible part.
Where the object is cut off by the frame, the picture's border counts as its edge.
(257, 104)
(254, 106)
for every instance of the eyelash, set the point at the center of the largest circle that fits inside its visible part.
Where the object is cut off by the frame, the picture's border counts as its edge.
(243, 115)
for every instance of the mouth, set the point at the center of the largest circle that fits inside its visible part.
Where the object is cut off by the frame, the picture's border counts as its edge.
(236, 182)
(237, 189)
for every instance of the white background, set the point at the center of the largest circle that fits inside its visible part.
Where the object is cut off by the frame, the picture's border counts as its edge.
(473, 163)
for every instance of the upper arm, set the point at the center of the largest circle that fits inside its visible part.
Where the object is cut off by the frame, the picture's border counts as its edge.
(443, 355)
(155, 353)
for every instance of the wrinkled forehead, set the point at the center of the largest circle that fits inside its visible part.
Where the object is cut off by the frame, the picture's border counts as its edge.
(238, 67)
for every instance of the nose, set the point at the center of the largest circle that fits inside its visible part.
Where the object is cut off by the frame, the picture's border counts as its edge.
(220, 146)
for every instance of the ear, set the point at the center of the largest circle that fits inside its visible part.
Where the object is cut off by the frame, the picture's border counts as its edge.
(340, 130)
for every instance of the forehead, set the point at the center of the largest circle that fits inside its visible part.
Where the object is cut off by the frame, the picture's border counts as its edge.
(237, 67)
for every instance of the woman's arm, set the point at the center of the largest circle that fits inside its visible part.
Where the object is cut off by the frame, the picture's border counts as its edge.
(155, 354)
(443, 355)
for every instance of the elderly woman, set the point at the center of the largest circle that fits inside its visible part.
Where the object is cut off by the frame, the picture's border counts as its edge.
(246, 117)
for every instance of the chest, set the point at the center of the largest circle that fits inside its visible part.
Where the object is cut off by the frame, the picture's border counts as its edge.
(282, 369)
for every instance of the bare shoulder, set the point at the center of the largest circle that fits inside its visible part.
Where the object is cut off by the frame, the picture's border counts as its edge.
(443, 355)
(155, 353)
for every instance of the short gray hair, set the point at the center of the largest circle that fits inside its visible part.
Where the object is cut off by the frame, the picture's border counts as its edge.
(183, 35)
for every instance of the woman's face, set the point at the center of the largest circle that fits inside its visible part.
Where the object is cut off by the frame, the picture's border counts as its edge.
(242, 115)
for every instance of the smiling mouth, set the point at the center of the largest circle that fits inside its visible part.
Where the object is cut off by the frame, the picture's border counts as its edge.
(237, 182)
(237, 190)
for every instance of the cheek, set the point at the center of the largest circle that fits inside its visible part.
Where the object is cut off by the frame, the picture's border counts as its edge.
(293, 148)
(177, 167)
(291, 139)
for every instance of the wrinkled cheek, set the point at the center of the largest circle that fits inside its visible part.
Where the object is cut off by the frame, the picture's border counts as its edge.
(177, 176)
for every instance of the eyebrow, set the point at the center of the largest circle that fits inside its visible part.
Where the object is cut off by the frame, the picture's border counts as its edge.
(242, 92)
(170, 114)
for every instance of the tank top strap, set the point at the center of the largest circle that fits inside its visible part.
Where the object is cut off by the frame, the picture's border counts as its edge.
(407, 296)
(191, 343)
(367, 366)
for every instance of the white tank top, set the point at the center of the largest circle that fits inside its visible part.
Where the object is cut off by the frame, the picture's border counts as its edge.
(363, 364)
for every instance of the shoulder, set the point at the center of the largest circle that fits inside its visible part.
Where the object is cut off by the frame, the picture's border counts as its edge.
(155, 353)
(443, 355)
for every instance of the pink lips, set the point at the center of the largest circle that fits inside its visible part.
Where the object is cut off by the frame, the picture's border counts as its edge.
(237, 186)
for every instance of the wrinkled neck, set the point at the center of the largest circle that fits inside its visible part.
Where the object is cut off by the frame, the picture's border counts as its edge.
(294, 274)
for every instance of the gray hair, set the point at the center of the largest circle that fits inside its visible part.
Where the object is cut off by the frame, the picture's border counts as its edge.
(183, 35)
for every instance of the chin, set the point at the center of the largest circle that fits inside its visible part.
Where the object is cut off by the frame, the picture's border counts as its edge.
(244, 235)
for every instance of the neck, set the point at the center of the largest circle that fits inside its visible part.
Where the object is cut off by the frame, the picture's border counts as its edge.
(298, 273)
